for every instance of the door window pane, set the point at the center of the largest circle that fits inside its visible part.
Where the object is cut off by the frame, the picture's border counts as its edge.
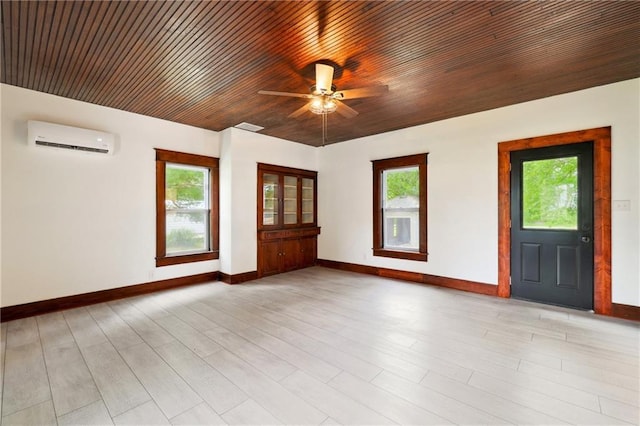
(269, 199)
(401, 208)
(186, 209)
(290, 200)
(550, 193)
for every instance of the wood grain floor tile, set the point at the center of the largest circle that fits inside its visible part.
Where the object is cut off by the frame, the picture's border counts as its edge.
(120, 389)
(619, 410)
(72, 385)
(319, 346)
(259, 358)
(22, 332)
(172, 394)
(623, 380)
(189, 336)
(199, 415)
(586, 384)
(435, 402)
(117, 331)
(85, 330)
(249, 413)
(40, 414)
(302, 360)
(338, 406)
(194, 319)
(92, 414)
(396, 408)
(281, 403)
(54, 330)
(493, 404)
(145, 414)
(25, 377)
(147, 329)
(556, 390)
(220, 393)
(538, 401)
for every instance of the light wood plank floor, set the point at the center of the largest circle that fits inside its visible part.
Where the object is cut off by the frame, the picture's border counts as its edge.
(319, 346)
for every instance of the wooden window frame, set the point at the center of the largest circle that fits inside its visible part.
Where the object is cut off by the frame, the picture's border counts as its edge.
(162, 158)
(380, 166)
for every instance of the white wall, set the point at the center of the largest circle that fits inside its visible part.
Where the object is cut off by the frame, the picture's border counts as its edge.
(77, 222)
(462, 184)
(73, 223)
(241, 152)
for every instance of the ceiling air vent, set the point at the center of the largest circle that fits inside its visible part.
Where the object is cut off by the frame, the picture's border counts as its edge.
(248, 126)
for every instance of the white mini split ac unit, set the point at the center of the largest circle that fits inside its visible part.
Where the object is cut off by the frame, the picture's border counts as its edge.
(74, 138)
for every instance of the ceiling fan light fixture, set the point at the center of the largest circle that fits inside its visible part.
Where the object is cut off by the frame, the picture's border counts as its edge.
(322, 105)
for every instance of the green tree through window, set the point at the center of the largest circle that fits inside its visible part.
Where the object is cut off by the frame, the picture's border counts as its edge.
(550, 193)
(403, 183)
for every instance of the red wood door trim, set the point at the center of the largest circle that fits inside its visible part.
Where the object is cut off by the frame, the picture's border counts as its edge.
(601, 139)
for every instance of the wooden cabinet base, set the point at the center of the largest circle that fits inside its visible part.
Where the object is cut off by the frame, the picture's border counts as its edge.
(286, 250)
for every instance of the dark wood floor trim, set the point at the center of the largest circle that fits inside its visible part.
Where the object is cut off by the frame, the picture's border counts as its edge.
(9, 313)
(625, 311)
(238, 278)
(464, 285)
(617, 309)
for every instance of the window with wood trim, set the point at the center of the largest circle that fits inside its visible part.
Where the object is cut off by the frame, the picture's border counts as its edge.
(186, 208)
(400, 207)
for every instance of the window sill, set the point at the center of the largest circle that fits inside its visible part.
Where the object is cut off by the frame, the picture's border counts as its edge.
(188, 258)
(408, 255)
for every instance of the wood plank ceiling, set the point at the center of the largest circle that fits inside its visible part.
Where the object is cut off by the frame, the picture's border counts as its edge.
(202, 63)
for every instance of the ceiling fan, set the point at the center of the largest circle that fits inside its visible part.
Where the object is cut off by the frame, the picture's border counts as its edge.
(325, 99)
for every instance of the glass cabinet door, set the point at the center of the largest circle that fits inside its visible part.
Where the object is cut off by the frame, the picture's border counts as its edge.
(269, 199)
(307, 200)
(290, 211)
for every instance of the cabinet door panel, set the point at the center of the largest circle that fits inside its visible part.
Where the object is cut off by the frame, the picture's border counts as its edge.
(308, 249)
(290, 204)
(269, 258)
(270, 200)
(290, 254)
(308, 201)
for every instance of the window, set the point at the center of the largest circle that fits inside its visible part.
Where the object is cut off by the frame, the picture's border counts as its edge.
(186, 208)
(400, 207)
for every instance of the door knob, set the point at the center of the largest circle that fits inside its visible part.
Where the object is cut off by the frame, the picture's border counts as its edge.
(585, 239)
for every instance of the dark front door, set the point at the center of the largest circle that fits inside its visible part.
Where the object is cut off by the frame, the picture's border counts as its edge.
(552, 225)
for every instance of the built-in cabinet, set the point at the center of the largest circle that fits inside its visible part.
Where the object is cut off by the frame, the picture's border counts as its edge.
(287, 219)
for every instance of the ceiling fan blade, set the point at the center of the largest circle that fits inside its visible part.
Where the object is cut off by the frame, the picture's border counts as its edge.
(297, 113)
(344, 110)
(363, 92)
(294, 95)
(324, 78)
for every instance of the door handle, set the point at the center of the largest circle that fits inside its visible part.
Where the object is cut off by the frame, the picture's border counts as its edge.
(585, 239)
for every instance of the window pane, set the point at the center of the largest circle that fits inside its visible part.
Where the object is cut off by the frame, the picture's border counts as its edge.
(401, 208)
(290, 200)
(307, 200)
(550, 193)
(187, 208)
(187, 231)
(186, 187)
(269, 199)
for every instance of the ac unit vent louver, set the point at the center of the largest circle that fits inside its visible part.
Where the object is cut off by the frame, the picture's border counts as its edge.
(76, 147)
(57, 136)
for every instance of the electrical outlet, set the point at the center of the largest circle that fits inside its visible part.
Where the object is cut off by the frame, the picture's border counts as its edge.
(621, 205)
